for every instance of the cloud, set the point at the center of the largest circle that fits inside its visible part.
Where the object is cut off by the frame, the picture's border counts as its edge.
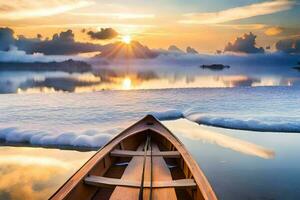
(20, 9)
(243, 26)
(103, 34)
(288, 45)
(237, 13)
(116, 15)
(174, 48)
(191, 50)
(62, 43)
(6, 38)
(245, 44)
(272, 31)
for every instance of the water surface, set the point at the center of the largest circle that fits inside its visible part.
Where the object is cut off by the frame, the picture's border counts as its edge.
(239, 164)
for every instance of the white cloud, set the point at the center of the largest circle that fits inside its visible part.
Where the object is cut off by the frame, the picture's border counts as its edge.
(20, 9)
(272, 31)
(237, 13)
(116, 15)
(242, 26)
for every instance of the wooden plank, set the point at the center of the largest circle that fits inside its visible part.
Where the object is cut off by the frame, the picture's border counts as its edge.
(101, 181)
(133, 173)
(126, 153)
(161, 172)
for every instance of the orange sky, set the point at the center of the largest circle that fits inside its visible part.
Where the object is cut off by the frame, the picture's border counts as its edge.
(157, 26)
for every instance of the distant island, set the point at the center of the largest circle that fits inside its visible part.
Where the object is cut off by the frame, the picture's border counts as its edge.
(297, 67)
(215, 67)
(70, 66)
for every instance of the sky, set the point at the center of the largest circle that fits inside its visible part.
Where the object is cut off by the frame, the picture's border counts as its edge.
(206, 25)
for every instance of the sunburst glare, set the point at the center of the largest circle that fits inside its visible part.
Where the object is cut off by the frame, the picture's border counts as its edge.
(126, 39)
(126, 83)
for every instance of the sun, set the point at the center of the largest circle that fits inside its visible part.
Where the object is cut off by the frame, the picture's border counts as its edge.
(126, 83)
(126, 39)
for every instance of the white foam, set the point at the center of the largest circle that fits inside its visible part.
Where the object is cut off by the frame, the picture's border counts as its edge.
(168, 114)
(270, 124)
(96, 139)
(90, 139)
(262, 124)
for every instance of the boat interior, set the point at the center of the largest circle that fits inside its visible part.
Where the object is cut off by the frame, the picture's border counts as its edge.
(143, 166)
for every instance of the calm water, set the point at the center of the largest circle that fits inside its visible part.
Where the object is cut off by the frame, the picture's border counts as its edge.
(161, 73)
(240, 164)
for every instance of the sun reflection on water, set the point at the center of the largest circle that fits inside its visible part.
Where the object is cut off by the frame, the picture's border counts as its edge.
(126, 83)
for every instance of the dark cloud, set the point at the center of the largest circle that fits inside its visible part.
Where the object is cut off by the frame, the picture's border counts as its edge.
(6, 38)
(61, 43)
(245, 44)
(174, 48)
(67, 36)
(288, 45)
(103, 34)
(191, 50)
(39, 36)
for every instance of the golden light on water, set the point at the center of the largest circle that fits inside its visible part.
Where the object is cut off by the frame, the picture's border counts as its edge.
(126, 83)
(126, 39)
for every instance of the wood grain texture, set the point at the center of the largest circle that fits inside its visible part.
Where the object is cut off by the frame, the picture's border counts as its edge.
(101, 181)
(127, 153)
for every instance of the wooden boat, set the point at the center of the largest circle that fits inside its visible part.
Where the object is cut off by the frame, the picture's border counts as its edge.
(145, 161)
